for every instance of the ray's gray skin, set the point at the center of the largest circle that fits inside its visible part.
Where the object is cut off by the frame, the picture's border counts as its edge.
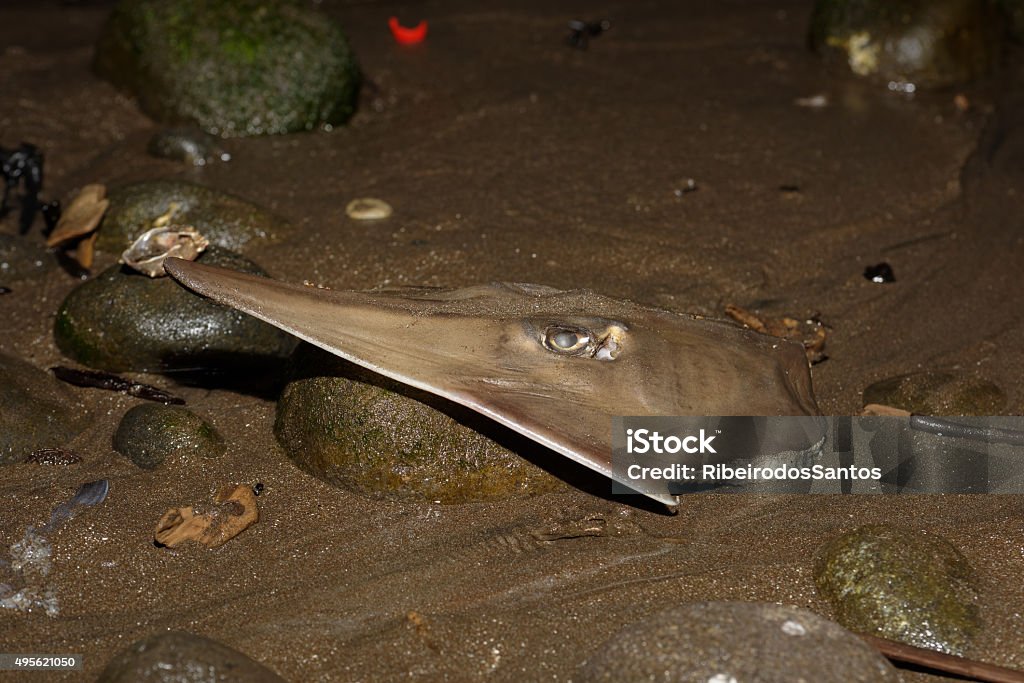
(549, 364)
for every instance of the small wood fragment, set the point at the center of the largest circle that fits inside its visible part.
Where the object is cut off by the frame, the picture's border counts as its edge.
(940, 661)
(810, 333)
(234, 512)
(879, 410)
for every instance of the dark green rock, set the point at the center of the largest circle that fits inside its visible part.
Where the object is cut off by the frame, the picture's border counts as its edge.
(926, 43)
(736, 641)
(232, 67)
(121, 320)
(180, 657)
(36, 411)
(933, 392)
(224, 219)
(150, 433)
(367, 434)
(900, 584)
(189, 145)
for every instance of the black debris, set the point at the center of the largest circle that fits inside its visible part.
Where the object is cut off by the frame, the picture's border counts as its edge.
(580, 32)
(111, 382)
(53, 456)
(880, 272)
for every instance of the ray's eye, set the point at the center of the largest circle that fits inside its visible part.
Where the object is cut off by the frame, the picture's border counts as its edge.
(566, 340)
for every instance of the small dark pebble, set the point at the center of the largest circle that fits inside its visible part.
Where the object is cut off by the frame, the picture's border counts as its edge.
(580, 32)
(880, 272)
(257, 488)
(53, 456)
(789, 189)
(112, 382)
(5, 290)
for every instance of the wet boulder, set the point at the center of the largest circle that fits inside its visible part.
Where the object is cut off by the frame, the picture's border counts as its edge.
(36, 411)
(150, 433)
(122, 320)
(180, 657)
(909, 43)
(222, 218)
(367, 434)
(736, 641)
(232, 67)
(900, 584)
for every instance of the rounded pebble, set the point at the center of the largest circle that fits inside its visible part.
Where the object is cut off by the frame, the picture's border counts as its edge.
(192, 146)
(736, 641)
(224, 219)
(180, 657)
(372, 437)
(121, 320)
(232, 67)
(900, 584)
(909, 44)
(148, 434)
(36, 411)
(368, 209)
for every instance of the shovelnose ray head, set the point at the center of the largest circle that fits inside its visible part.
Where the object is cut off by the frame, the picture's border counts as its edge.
(552, 365)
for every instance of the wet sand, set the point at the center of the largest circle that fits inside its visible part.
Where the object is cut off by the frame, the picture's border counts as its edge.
(509, 156)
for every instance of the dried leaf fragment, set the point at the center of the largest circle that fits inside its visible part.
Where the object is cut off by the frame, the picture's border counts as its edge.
(234, 512)
(811, 333)
(82, 216)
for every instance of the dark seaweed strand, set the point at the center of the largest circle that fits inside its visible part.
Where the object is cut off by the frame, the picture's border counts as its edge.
(111, 382)
(935, 425)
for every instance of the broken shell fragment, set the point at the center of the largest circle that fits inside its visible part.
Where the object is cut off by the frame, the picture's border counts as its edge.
(147, 253)
(368, 209)
(82, 216)
(234, 512)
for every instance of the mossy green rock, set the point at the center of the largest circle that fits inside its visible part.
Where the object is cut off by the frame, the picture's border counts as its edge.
(364, 433)
(223, 219)
(150, 433)
(900, 584)
(36, 411)
(934, 392)
(121, 320)
(921, 42)
(232, 67)
(736, 641)
(180, 657)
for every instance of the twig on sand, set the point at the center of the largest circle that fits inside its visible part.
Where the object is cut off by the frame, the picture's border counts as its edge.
(940, 661)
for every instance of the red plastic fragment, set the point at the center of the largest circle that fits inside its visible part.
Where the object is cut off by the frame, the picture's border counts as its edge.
(407, 36)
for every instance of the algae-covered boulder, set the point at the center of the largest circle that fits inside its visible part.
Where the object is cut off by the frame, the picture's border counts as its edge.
(910, 43)
(367, 434)
(36, 411)
(232, 67)
(150, 433)
(122, 320)
(900, 584)
(224, 219)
